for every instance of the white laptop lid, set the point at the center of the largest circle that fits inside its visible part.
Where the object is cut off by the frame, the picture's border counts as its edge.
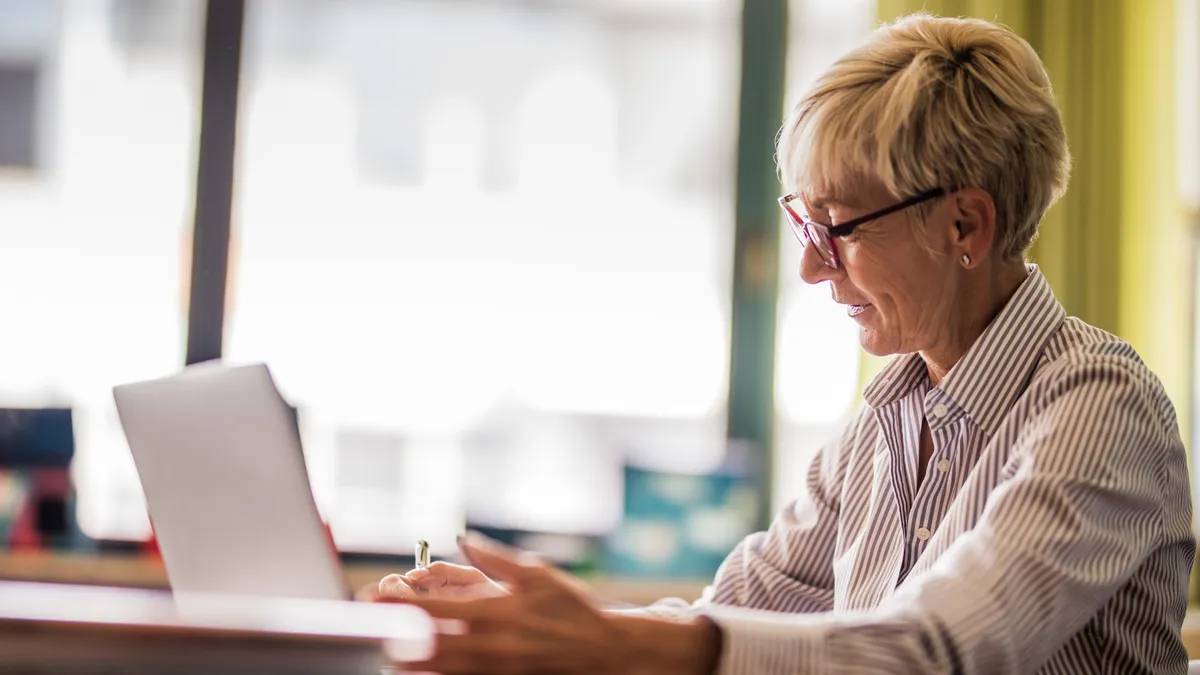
(221, 465)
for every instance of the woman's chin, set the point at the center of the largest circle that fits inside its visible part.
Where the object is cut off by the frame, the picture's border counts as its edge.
(875, 344)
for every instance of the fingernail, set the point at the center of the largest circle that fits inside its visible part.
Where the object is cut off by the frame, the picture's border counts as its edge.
(418, 574)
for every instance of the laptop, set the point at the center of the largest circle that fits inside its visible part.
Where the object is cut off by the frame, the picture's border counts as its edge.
(218, 452)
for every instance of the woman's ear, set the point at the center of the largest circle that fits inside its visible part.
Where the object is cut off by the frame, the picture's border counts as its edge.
(974, 225)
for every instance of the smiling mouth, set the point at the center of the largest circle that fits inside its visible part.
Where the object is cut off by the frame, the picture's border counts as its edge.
(855, 310)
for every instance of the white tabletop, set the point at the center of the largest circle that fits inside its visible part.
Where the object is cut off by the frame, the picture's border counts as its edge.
(81, 629)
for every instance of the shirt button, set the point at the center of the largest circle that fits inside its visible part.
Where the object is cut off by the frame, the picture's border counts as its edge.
(940, 410)
(923, 533)
(943, 465)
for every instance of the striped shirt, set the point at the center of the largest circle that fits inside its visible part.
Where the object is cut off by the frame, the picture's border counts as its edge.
(1052, 532)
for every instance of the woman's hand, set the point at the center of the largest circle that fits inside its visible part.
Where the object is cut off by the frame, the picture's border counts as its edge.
(547, 624)
(441, 581)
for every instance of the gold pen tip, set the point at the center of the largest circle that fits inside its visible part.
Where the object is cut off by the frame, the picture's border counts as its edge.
(422, 543)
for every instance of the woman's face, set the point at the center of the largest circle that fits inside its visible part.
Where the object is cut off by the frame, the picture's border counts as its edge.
(900, 292)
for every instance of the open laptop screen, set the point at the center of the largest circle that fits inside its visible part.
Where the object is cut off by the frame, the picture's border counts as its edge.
(220, 462)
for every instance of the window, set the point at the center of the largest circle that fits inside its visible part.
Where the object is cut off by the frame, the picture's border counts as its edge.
(96, 241)
(484, 247)
(487, 290)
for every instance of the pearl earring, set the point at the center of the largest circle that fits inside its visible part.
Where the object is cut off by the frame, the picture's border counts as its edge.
(966, 260)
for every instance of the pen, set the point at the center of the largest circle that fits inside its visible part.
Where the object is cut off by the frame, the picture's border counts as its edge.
(422, 558)
(422, 554)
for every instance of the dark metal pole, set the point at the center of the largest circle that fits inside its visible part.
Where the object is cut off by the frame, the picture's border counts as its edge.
(756, 235)
(214, 178)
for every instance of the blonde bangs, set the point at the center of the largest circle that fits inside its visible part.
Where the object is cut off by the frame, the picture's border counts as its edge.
(834, 141)
(823, 151)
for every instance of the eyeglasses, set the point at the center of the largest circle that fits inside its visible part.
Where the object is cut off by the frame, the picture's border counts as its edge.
(806, 229)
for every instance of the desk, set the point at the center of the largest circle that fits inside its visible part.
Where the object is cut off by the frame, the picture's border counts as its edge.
(140, 572)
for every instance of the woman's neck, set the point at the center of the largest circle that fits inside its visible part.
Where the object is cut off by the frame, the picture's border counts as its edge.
(980, 303)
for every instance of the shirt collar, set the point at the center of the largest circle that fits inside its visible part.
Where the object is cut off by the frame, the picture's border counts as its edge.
(897, 379)
(993, 372)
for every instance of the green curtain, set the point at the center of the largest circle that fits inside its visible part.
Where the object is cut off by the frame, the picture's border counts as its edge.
(1117, 248)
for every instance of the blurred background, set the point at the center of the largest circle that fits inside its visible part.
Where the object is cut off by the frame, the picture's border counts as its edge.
(517, 263)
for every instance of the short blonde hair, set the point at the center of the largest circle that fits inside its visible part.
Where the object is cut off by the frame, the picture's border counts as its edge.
(933, 102)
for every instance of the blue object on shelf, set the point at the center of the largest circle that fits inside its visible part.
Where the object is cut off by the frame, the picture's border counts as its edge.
(36, 438)
(679, 525)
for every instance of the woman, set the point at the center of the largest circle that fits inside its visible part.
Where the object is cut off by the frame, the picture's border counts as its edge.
(1013, 496)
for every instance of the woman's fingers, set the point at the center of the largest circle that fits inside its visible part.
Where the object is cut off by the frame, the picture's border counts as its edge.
(440, 581)
(493, 558)
(441, 574)
(396, 586)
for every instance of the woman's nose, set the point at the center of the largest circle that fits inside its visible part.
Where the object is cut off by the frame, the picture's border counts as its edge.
(813, 269)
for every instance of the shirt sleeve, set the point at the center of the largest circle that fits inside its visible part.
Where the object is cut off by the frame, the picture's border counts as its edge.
(789, 568)
(1083, 510)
